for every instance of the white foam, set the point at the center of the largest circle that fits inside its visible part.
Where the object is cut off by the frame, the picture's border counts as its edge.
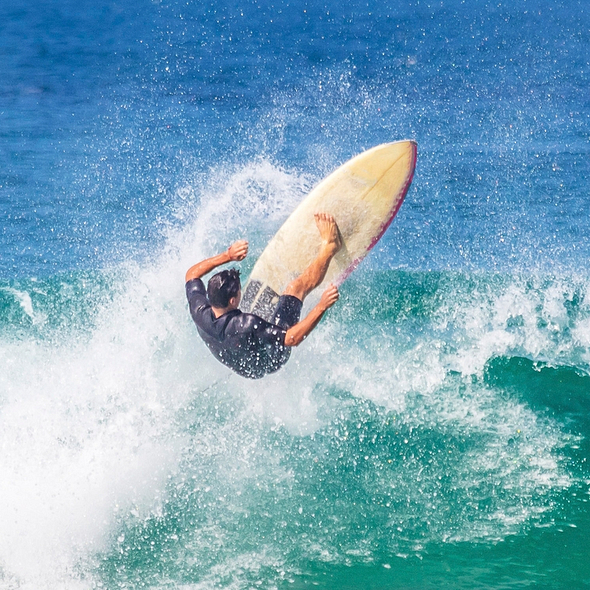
(92, 430)
(88, 428)
(85, 433)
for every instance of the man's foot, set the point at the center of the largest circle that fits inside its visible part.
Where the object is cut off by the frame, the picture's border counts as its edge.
(329, 232)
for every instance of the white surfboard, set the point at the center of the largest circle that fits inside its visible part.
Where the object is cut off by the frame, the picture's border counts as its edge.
(363, 195)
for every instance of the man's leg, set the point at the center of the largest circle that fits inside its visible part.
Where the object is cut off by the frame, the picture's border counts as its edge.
(314, 274)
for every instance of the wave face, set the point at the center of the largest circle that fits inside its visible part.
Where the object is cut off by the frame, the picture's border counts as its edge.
(433, 418)
(431, 432)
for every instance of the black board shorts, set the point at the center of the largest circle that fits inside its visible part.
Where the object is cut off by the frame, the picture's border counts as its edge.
(286, 315)
(288, 312)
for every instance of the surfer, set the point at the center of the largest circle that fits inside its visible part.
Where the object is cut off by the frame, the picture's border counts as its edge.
(244, 342)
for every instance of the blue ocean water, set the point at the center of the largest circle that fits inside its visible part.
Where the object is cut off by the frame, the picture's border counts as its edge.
(431, 433)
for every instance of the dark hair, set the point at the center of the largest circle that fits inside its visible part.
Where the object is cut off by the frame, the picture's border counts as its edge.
(223, 286)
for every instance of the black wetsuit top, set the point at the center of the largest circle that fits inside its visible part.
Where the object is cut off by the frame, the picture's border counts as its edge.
(246, 343)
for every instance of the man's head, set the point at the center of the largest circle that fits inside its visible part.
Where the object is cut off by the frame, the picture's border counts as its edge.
(222, 287)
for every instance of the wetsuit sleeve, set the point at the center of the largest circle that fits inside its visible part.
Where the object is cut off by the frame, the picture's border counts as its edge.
(196, 295)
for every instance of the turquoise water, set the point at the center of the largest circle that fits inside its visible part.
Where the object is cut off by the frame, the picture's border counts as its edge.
(439, 442)
(433, 430)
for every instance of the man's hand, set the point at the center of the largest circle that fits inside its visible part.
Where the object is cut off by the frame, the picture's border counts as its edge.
(238, 251)
(329, 297)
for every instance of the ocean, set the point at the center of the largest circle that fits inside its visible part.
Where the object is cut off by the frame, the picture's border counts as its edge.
(432, 432)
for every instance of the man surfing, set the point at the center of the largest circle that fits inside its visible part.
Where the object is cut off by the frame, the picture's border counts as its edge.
(244, 342)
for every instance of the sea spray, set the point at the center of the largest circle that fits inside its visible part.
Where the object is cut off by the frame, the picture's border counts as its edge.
(388, 436)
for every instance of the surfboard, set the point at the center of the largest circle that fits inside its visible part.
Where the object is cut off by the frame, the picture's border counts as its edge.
(363, 195)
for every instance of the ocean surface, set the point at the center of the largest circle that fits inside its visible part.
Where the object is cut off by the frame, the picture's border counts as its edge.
(432, 432)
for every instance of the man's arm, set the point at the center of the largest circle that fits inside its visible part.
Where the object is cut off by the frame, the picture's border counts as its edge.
(236, 252)
(299, 332)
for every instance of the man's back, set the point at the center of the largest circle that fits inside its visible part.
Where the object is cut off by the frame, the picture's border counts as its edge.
(244, 342)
